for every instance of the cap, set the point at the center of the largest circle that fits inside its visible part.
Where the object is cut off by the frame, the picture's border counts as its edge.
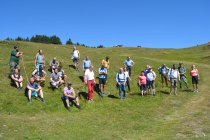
(69, 84)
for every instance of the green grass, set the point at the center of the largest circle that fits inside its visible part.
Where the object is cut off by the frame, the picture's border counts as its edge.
(185, 116)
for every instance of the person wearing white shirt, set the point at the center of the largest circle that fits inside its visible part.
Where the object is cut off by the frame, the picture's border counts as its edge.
(151, 76)
(127, 78)
(174, 76)
(90, 81)
(121, 81)
(75, 57)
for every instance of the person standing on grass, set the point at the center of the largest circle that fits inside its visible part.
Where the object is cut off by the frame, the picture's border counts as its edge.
(142, 80)
(34, 89)
(17, 79)
(195, 77)
(129, 64)
(14, 59)
(75, 57)
(121, 81)
(39, 60)
(85, 65)
(163, 71)
(69, 95)
(106, 64)
(90, 81)
(127, 78)
(151, 76)
(174, 77)
(62, 74)
(183, 77)
(102, 79)
(55, 80)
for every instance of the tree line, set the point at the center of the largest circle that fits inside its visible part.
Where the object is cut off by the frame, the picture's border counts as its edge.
(49, 40)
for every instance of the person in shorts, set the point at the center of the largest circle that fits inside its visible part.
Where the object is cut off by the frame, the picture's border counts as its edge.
(75, 57)
(142, 80)
(163, 71)
(14, 59)
(55, 80)
(17, 79)
(102, 79)
(69, 95)
(39, 60)
(174, 77)
(195, 77)
(34, 89)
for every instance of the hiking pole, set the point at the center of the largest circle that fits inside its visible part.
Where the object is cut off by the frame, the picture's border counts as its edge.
(24, 69)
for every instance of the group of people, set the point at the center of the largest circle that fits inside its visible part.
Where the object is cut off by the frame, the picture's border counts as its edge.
(146, 79)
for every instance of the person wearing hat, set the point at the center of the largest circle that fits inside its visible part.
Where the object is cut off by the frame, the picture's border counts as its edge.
(39, 60)
(174, 77)
(150, 76)
(183, 77)
(34, 89)
(14, 59)
(163, 71)
(129, 64)
(54, 64)
(69, 95)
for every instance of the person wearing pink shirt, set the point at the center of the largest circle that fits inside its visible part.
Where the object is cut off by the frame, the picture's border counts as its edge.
(195, 77)
(142, 79)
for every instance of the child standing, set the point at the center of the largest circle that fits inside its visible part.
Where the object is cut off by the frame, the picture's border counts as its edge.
(142, 83)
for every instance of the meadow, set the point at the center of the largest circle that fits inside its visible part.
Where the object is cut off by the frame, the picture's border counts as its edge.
(162, 117)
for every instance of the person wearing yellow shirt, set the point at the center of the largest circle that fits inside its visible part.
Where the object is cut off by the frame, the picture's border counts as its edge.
(105, 63)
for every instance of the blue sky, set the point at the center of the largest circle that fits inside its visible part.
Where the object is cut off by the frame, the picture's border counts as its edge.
(149, 23)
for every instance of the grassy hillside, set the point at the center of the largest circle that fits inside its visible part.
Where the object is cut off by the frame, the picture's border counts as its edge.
(185, 116)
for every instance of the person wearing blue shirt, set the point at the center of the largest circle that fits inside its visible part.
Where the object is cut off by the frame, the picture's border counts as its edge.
(129, 63)
(102, 79)
(121, 81)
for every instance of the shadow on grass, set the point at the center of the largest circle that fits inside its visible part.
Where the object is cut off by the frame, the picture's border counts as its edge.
(83, 95)
(165, 92)
(113, 96)
(72, 66)
(187, 90)
(81, 78)
(96, 88)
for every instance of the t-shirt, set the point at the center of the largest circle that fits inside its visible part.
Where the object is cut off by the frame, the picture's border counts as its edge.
(105, 63)
(163, 70)
(126, 74)
(150, 75)
(143, 79)
(102, 70)
(86, 64)
(55, 77)
(120, 77)
(182, 70)
(39, 58)
(13, 57)
(54, 63)
(68, 91)
(89, 74)
(76, 53)
(33, 85)
(194, 72)
(129, 63)
(38, 73)
(61, 72)
(173, 73)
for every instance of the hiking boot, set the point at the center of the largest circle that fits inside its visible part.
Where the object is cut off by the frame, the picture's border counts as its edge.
(68, 108)
(29, 101)
(36, 97)
(43, 100)
(78, 106)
